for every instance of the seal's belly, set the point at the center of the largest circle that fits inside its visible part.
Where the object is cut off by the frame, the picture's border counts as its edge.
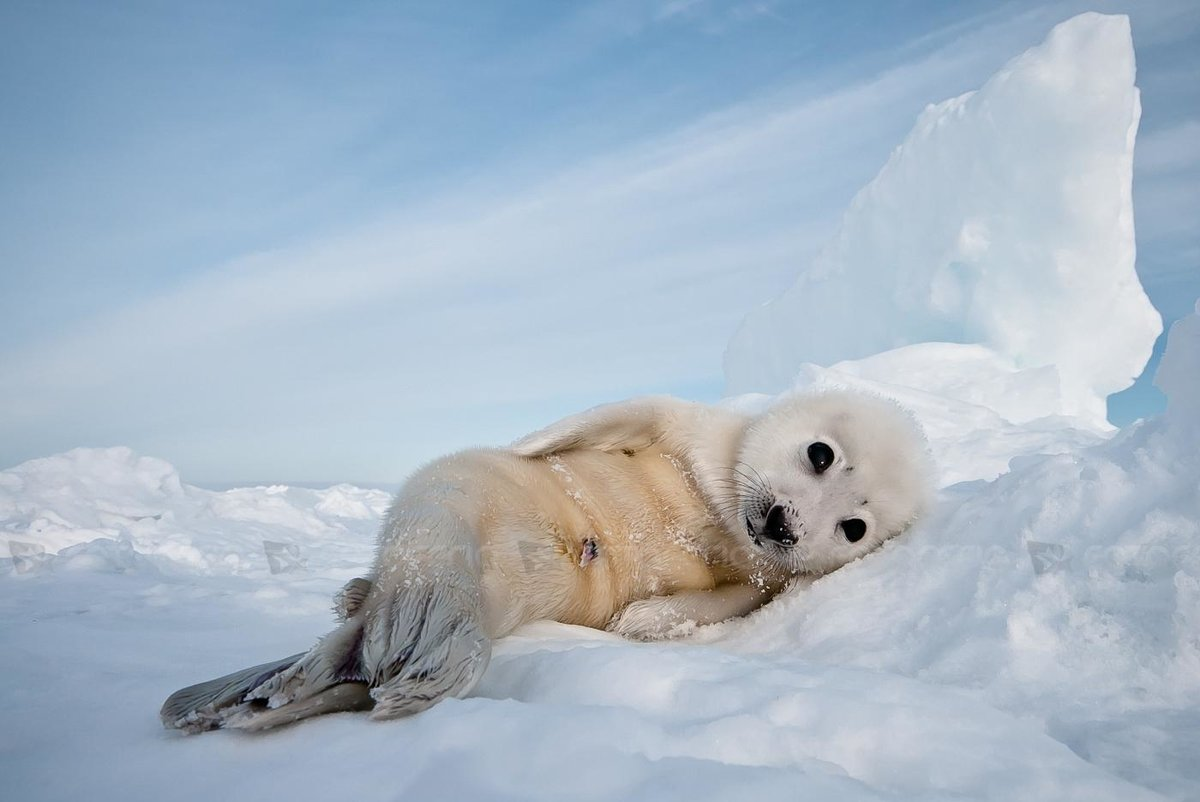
(581, 534)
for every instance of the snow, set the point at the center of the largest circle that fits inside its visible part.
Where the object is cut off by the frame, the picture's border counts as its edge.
(1005, 220)
(1067, 590)
(1037, 637)
(89, 495)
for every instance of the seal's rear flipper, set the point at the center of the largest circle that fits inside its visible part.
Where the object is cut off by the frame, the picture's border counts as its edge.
(204, 706)
(255, 716)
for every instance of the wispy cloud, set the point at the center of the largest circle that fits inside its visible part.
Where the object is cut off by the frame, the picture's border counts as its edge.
(511, 296)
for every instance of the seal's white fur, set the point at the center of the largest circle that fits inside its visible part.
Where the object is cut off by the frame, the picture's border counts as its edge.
(664, 492)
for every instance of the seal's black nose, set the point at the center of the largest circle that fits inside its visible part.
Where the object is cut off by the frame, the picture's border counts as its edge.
(776, 527)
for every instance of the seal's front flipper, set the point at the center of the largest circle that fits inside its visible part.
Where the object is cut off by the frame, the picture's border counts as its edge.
(660, 617)
(626, 425)
(203, 706)
(631, 426)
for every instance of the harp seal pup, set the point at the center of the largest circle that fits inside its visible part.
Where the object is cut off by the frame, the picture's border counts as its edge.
(643, 517)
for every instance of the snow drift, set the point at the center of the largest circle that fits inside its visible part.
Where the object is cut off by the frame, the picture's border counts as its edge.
(48, 505)
(1036, 638)
(1004, 220)
(1067, 589)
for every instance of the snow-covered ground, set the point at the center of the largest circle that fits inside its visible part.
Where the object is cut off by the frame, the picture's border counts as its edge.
(1038, 637)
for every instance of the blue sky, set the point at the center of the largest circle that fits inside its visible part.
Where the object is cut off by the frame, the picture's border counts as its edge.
(329, 241)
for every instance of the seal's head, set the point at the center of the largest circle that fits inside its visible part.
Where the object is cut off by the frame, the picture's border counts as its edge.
(824, 478)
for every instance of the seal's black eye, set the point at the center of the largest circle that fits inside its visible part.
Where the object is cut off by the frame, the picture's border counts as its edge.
(854, 529)
(821, 456)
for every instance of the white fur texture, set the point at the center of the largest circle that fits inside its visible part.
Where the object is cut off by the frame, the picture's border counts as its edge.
(647, 516)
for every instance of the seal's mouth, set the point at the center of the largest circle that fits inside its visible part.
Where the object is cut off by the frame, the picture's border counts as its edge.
(753, 533)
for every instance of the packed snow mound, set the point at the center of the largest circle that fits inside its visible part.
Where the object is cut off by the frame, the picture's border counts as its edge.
(1069, 587)
(112, 495)
(1005, 220)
